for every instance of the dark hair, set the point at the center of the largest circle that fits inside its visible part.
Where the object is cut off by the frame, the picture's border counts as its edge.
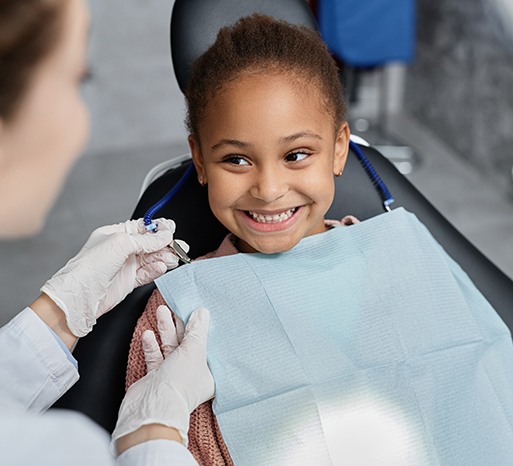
(260, 43)
(29, 30)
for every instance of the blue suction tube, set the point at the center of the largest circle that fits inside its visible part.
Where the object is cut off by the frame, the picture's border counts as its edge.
(148, 216)
(381, 187)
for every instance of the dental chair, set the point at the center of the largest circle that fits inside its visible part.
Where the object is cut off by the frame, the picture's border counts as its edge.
(102, 355)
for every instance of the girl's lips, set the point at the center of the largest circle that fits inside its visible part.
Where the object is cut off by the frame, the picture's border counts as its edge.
(268, 222)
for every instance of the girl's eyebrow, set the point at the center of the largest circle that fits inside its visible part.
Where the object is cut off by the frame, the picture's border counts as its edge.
(230, 142)
(283, 140)
(301, 134)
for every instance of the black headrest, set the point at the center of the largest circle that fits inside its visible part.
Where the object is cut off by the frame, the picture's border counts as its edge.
(196, 24)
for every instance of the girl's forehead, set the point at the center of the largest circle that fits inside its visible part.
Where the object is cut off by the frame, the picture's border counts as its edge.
(270, 77)
(263, 108)
(260, 91)
(265, 86)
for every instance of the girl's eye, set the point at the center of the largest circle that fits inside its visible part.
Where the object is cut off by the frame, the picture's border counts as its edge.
(236, 160)
(296, 156)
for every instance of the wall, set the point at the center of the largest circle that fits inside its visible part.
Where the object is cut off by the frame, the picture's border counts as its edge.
(133, 95)
(461, 82)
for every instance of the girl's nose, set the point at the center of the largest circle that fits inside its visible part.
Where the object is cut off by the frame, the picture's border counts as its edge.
(269, 185)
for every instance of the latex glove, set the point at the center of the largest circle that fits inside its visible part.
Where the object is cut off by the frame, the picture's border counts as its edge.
(114, 260)
(169, 393)
(170, 336)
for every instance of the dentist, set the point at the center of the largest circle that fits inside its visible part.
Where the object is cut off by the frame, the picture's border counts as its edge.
(43, 127)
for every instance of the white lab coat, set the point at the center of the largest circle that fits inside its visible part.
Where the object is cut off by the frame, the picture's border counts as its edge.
(34, 372)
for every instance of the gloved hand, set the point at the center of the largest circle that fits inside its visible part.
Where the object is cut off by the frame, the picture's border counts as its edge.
(170, 392)
(170, 336)
(114, 260)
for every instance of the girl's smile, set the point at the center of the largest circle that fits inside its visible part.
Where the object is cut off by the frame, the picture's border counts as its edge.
(268, 151)
(267, 221)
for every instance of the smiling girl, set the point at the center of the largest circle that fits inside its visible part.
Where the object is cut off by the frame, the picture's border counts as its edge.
(269, 161)
(268, 134)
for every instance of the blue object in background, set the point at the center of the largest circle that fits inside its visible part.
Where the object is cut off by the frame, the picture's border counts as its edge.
(368, 32)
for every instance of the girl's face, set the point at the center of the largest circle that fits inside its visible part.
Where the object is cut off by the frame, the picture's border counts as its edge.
(269, 152)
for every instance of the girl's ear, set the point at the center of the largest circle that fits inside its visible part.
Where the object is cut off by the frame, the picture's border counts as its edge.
(341, 149)
(197, 158)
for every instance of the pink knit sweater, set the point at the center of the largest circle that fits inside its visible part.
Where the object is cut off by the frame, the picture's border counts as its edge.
(205, 440)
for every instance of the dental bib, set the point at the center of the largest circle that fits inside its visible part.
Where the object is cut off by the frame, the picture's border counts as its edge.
(364, 345)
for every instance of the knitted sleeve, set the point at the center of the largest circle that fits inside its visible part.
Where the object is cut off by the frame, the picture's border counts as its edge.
(205, 440)
(136, 367)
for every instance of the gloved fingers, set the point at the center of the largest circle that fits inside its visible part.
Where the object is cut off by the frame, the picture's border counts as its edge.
(113, 251)
(100, 234)
(107, 269)
(152, 354)
(167, 330)
(180, 329)
(165, 255)
(195, 345)
(165, 224)
(149, 273)
(197, 329)
(134, 227)
(150, 242)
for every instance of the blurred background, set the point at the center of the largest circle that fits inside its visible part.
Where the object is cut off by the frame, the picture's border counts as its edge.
(441, 110)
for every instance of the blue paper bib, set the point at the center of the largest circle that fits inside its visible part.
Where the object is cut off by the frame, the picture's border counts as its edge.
(362, 345)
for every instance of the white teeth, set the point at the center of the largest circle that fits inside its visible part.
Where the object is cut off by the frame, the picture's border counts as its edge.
(277, 218)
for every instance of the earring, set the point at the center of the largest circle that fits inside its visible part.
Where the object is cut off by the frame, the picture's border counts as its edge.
(340, 174)
(202, 181)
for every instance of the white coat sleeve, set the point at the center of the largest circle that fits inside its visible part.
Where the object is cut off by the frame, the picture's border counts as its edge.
(165, 452)
(55, 438)
(34, 370)
(64, 438)
(34, 373)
